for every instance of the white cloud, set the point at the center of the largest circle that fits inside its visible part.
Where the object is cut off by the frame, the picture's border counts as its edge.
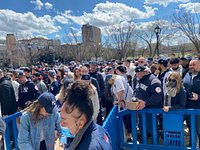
(191, 7)
(165, 3)
(48, 5)
(61, 19)
(27, 23)
(110, 14)
(38, 4)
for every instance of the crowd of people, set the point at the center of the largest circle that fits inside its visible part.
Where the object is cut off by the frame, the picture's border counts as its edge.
(76, 97)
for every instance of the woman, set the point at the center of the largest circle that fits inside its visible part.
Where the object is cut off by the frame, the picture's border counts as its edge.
(38, 124)
(77, 74)
(175, 97)
(62, 94)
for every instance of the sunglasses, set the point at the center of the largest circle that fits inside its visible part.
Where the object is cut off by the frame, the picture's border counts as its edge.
(172, 80)
(141, 61)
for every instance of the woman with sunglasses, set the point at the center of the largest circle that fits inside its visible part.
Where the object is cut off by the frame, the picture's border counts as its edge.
(175, 97)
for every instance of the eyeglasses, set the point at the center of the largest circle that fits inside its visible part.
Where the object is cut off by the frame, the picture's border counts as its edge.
(171, 80)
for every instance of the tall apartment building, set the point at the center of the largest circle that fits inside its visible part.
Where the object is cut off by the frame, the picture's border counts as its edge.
(91, 35)
(10, 42)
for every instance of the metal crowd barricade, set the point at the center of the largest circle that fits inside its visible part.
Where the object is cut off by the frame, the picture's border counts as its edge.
(11, 131)
(173, 129)
(111, 125)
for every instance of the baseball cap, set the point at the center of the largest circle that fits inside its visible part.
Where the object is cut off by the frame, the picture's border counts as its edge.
(52, 73)
(140, 68)
(121, 69)
(85, 77)
(108, 77)
(48, 101)
(163, 62)
(93, 62)
(21, 74)
(37, 74)
(189, 58)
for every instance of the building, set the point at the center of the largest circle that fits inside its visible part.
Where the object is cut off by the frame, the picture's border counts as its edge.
(10, 42)
(91, 35)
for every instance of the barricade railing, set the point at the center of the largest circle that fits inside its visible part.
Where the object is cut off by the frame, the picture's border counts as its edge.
(172, 129)
(11, 133)
(111, 125)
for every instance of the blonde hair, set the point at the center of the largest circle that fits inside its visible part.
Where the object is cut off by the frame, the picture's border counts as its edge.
(34, 110)
(177, 77)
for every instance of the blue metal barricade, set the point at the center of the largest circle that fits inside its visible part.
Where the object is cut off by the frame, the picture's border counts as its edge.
(11, 131)
(172, 124)
(111, 125)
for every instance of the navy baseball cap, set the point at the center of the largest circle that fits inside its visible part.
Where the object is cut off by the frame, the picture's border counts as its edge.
(140, 69)
(85, 77)
(48, 101)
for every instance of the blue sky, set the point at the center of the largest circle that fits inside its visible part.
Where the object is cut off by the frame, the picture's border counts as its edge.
(54, 18)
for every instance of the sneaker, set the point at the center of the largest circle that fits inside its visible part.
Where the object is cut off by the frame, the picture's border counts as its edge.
(129, 140)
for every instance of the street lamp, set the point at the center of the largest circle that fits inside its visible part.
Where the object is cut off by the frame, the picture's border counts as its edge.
(157, 31)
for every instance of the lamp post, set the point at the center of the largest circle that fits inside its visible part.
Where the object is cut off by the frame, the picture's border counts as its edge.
(30, 53)
(157, 31)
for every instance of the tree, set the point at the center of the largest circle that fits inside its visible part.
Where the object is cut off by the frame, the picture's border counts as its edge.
(147, 34)
(121, 36)
(189, 24)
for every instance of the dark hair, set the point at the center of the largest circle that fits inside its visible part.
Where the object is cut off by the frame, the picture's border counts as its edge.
(78, 96)
(174, 61)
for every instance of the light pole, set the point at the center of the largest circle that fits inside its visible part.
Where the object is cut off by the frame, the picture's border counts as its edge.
(157, 31)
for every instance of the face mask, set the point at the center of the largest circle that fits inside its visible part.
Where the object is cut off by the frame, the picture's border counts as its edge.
(172, 83)
(66, 132)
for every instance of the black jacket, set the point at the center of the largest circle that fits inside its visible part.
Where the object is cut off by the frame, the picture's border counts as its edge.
(192, 85)
(7, 97)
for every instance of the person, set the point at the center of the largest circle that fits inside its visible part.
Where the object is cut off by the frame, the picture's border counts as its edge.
(38, 124)
(76, 116)
(175, 65)
(155, 69)
(191, 82)
(27, 91)
(149, 94)
(2, 131)
(164, 72)
(185, 65)
(98, 76)
(54, 87)
(93, 95)
(7, 96)
(39, 83)
(175, 97)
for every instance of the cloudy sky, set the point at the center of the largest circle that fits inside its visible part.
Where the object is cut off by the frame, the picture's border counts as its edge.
(54, 18)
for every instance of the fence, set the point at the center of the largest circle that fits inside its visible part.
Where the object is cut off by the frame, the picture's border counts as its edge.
(172, 123)
(11, 131)
(173, 129)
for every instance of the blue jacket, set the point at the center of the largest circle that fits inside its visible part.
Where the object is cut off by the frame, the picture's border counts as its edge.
(149, 89)
(94, 138)
(29, 134)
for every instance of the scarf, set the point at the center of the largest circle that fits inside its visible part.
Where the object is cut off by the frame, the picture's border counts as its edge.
(78, 136)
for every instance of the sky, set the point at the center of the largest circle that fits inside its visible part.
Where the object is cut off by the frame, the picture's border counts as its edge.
(53, 19)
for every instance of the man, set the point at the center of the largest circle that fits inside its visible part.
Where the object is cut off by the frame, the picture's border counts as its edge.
(142, 61)
(7, 96)
(149, 95)
(130, 68)
(76, 115)
(191, 82)
(164, 72)
(39, 83)
(54, 87)
(175, 65)
(185, 65)
(27, 91)
(95, 74)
